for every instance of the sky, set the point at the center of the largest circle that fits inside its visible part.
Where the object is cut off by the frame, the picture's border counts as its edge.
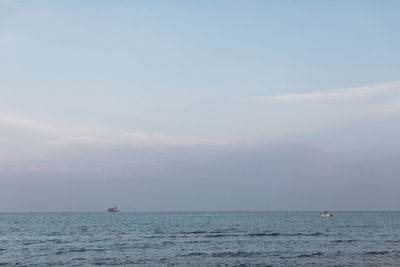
(188, 105)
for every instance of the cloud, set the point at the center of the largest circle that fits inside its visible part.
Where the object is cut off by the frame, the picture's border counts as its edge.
(342, 93)
(53, 135)
(136, 139)
(330, 117)
(7, 119)
(310, 117)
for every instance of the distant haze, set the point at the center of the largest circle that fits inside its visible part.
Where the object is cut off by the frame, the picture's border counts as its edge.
(178, 105)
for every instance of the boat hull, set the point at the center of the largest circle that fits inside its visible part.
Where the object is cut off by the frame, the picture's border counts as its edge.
(113, 209)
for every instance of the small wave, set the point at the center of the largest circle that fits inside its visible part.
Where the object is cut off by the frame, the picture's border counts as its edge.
(263, 234)
(228, 230)
(191, 232)
(234, 254)
(79, 259)
(196, 241)
(153, 236)
(199, 232)
(316, 234)
(148, 246)
(54, 234)
(193, 254)
(83, 229)
(218, 235)
(57, 241)
(345, 241)
(77, 250)
(384, 252)
(103, 261)
(96, 240)
(392, 241)
(122, 245)
(27, 243)
(310, 255)
(168, 243)
(72, 250)
(305, 234)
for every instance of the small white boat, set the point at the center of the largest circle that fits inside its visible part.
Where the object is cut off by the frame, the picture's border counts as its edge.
(325, 214)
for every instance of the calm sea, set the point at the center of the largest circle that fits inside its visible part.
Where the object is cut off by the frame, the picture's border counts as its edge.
(200, 239)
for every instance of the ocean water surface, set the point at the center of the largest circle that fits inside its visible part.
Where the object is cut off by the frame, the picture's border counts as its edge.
(200, 239)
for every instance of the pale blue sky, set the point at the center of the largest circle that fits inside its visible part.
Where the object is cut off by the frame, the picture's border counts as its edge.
(82, 80)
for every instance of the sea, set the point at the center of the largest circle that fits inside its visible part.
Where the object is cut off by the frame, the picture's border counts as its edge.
(200, 239)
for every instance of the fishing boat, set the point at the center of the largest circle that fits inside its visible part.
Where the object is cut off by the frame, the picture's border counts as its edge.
(113, 209)
(325, 214)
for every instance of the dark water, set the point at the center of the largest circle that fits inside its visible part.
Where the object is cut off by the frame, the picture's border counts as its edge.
(200, 239)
